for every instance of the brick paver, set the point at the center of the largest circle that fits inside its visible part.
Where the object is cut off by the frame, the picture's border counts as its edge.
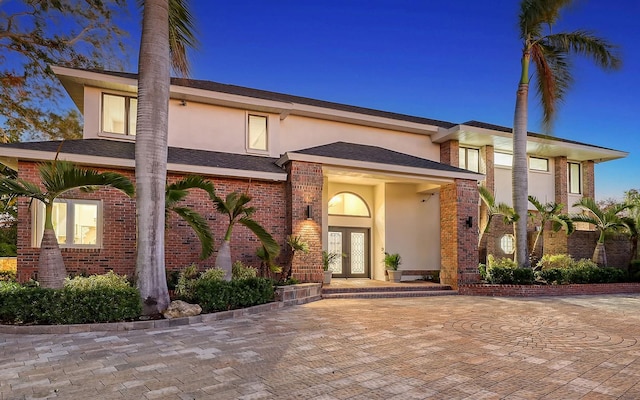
(453, 347)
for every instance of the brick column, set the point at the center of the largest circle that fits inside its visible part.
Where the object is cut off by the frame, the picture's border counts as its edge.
(458, 252)
(304, 188)
(558, 242)
(588, 179)
(449, 153)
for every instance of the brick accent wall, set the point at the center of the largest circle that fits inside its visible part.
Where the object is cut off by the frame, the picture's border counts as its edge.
(487, 167)
(182, 245)
(561, 181)
(548, 290)
(588, 179)
(581, 244)
(449, 153)
(459, 257)
(304, 188)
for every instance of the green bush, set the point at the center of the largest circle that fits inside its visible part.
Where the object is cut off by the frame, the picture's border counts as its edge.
(216, 295)
(7, 275)
(186, 281)
(549, 261)
(240, 271)
(522, 276)
(505, 271)
(503, 262)
(582, 272)
(482, 269)
(552, 276)
(35, 305)
(212, 274)
(108, 280)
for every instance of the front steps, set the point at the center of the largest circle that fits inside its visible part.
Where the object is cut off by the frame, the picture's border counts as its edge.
(387, 290)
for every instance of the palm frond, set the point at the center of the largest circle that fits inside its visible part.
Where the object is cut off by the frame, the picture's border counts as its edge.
(562, 221)
(553, 78)
(61, 176)
(11, 187)
(182, 35)
(269, 243)
(178, 190)
(200, 227)
(535, 14)
(486, 196)
(586, 44)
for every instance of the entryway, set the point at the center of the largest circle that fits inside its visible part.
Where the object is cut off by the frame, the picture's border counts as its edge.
(353, 244)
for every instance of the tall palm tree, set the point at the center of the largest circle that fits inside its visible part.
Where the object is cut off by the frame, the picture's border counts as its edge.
(166, 34)
(234, 206)
(549, 52)
(175, 193)
(605, 221)
(549, 212)
(59, 177)
(494, 209)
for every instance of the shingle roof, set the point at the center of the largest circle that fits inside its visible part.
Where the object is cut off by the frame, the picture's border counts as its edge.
(275, 96)
(176, 155)
(374, 154)
(499, 128)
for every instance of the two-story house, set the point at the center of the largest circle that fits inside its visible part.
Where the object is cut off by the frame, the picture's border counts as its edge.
(346, 179)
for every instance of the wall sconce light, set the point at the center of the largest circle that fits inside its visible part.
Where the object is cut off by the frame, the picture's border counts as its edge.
(183, 103)
(309, 212)
(469, 222)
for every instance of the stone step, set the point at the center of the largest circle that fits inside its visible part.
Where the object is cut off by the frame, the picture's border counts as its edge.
(399, 288)
(388, 294)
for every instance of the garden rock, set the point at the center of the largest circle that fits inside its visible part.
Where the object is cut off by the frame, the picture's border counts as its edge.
(179, 308)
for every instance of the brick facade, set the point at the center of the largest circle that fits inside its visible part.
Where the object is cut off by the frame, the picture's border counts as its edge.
(449, 153)
(304, 189)
(588, 179)
(459, 257)
(182, 245)
(548, 290)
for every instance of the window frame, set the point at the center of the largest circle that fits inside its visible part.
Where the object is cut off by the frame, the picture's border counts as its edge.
(127, 115)
(248, 133)
(466, 158)
(570, 180)
(537, 169)
(38, 223)
(502, 165)
(349, 215)
(512, 245)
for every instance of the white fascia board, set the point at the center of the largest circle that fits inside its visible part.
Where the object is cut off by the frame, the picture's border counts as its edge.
(365, 165)
(109, 162)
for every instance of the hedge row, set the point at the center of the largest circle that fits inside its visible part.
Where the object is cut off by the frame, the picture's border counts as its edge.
(35, 305)
(217, 295)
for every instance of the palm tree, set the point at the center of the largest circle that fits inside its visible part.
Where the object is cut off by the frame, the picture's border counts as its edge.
(605, 221)
(234, 206)
(175, 193)
(296, 244)
(59, 177)
(166, 34)
(494, 209)
(549, 212)
(549, 53)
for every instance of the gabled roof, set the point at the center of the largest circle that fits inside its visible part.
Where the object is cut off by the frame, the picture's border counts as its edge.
(120, 153)
(378, 158)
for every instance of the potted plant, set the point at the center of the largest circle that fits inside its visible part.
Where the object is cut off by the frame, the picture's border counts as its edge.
(327, 259)
(391, 263)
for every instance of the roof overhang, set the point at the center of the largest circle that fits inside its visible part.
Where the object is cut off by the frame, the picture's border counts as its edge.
(397, 171)
(546, 146)
(75, 80)
(11, 156)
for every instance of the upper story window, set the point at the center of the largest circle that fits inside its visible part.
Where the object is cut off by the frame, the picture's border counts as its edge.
(77, 223)
(469, 159)
(538, 164)
(503, 159)
(119, 114)
(574, 175)
(257, 133)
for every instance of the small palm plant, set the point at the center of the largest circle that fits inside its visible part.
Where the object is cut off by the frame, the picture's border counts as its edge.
(235, 207)
(392, 261)
(178, 191)
(549, 212)
(493, 209)
(297, 245)
(59, 177)
(328, 259)
(605, 221)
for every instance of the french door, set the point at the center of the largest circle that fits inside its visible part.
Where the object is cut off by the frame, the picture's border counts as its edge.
(353, 245)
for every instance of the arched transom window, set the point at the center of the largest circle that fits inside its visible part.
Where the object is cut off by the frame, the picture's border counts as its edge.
(348, 204)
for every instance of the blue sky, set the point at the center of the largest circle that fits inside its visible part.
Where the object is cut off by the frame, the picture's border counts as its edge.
(453, 60)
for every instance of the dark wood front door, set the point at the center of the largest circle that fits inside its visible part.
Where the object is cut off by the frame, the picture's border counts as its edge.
(353, 244)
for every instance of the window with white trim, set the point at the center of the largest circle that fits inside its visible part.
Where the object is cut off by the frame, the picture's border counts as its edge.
(538, 164)
(119, 114)
(469, 159)
(503, 159)
(257, 132)
(574, 177)
(77, 223)
(508, 244)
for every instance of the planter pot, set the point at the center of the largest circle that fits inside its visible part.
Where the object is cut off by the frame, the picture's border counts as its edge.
(394, 276)
(327, 277)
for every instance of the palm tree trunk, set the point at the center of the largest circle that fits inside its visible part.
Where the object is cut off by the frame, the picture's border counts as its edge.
(223, 259)
(151, 155)
(520, 179)
(600, 255)
(51, 270)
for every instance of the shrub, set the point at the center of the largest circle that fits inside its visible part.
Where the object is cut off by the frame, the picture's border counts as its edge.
(7, 276)
(584, 271)
(522, 276)
(108, 280)
(212, 274)
(217, 295)
(554, 276)
(186, 281)
(77, 305)
(503, 262)
(549, 261)
(240, 271)
(482, 269)
(505, 271)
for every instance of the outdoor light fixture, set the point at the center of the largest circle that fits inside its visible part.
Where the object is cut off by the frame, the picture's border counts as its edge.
(183, 103)
(309, 212)
(469, 222)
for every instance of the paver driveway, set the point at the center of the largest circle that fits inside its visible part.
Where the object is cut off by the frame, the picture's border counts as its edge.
(452, 347)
